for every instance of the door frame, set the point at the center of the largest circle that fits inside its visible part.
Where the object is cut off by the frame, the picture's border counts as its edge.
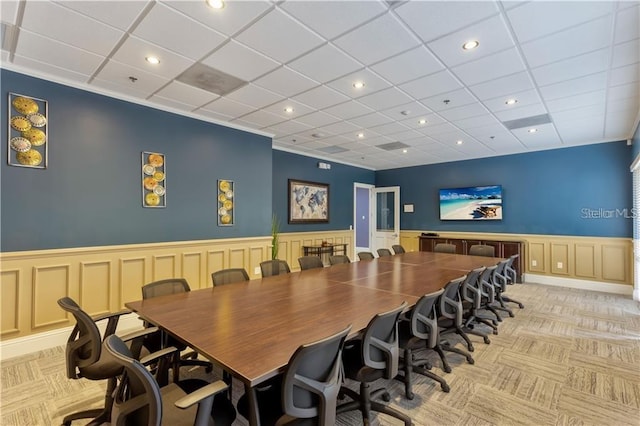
(371, 206)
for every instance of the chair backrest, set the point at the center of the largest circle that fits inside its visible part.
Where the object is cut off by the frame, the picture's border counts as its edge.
(424, 320)
(310, 262)
(384, 252)
(498, 278)
(444, 248)
(365, 255)
(398, 249)
(229, 276)
(450, 304)
(339, 258)
(509, 270)
(137, 397)
(486, 283)
(313, 378)
(482, 250)
(165, 287)
(380, 349)
(274, 267)
(470, 288)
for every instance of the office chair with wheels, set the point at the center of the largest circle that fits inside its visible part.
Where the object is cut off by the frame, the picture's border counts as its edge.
(472, 302)
(310, 262)
(339, 258)
(373, 357)
(500, 283)
(482, 250)
(139, 400)
(488, 291)
(450, 320)
(418, 332)
(444, 248)
(229, 276)
(398, 249)
(274, 267)
(511, 275)
(366, 255)
(85, 358)
(308, 390)
(384, 252)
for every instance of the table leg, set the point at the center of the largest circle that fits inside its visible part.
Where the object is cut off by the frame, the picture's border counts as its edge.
(254, 416)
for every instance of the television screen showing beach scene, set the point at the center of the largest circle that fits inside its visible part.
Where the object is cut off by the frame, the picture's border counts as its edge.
(473, 203)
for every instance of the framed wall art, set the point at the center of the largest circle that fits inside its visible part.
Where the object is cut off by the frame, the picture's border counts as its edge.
(154, 180)
(308, 202)
(226, 202)
(28, 145)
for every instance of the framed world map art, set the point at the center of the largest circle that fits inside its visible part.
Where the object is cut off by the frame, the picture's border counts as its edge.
(308, 202)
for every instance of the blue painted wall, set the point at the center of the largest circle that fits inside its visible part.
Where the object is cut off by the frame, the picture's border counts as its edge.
(90, 195)
(544, 192)
(340, 179)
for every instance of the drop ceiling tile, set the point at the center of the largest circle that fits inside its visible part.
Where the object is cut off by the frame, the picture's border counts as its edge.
(503, 86)
(530, 110)
(186, 43)
(558, 46)
(228, 107)
(317, 119)
(134, 51)
(455, 98)
(119, 74)
(546, 137)
(279, 109)
(631, 103)
(580, 130)
(322, 16)
(385, 99)
(279, 37)
(349, 109)
(577, 66)
(214, 115)
(377, 40)
(48, 51)
(288, 128)
(589, 83)
(569, 102)
(492, 34)
(524, 98)
(255, 96)
(285, 82)
(9, 11)
(235, 15)
(490, 67)
(261, 118)
(626, 53)
(462, 112)
(408, 135)
(44, 18)
(344, 128)
(627, 27)
(314, 64)
(372, 83)
(579, 113)
(186, 94)
(414, 110)
(624, 75)
(476, 121)
(536, 19)
(390, 128)
(431, 85)
(46, 68)
(623, 91)
(615, 125)
(408, 66)
(118, 14)
(321, 97)
(431, 120)
(172, 104)
(438, 129)
(431, 20)
(240, 61)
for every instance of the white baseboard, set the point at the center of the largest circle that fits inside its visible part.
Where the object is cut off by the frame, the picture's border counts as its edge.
(636, 294)
(50, 339)
(581, 284)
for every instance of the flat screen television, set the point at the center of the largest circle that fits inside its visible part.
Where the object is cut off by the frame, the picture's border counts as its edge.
(471, 203)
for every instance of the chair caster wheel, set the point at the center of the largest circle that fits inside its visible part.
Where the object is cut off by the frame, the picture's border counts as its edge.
(520, 305)
(386, 397)
(494, 322)
(410, 396)
(495, 332)
(471, 361)
(511, 314)
(487, 341)
(445, 388)
(471, 348)
(447, 369)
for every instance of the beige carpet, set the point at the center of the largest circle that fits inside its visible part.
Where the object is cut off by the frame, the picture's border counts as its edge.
(571, 357)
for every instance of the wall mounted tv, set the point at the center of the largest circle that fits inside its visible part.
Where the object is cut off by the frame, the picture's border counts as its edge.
(472, 203)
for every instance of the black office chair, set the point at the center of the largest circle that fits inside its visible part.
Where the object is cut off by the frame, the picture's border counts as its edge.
(384, 252)
(274, 267)
(229, 276)
(445, 248)
(482, 250)
(366, 255)
(418, 332)
(398, 249)
(307, 392)
(338, 259)
(450, 321)
(472, 302)
(156, 342)
(139, 400)
(310, 262)
(373, 357)
(85, 358)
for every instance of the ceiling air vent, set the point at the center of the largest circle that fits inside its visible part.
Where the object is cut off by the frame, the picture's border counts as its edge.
(393, 146)
(536, 120)
(210, 79)
(335, 149)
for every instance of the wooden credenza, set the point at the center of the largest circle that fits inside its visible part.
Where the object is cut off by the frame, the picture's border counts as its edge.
(503, 248)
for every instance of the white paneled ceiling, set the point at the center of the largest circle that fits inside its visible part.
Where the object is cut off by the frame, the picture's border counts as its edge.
(575, 62)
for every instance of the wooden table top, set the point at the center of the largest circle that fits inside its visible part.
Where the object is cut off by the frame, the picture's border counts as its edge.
(252, 328)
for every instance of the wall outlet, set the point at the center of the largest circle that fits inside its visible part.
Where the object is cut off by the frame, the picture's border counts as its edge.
(534, 263)
(559, 265)
(256, 270)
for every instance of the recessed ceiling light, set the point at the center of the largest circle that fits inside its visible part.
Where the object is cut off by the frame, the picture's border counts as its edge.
(471, 44)
(358, 84)
(532, 130)
(511, 101)
(459, 142)
(288, 110)
(152, 60)
(404, 151)
(360, 135)
(422, 121)
(215, 4)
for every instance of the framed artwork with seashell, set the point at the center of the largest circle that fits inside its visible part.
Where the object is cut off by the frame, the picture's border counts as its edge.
(27, 130)
(226, 202)
(154, 180)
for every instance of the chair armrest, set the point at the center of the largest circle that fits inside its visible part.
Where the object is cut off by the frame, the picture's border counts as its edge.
(139, 333)
(203, 393)
(113, 318)
(151, 358)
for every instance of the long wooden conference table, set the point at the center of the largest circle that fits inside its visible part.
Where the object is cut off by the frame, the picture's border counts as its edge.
(252, 328)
